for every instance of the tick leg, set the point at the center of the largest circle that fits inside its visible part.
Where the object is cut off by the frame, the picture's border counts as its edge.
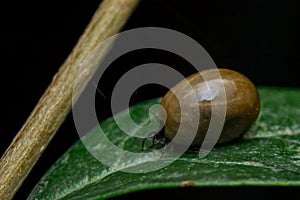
(157, 138)
(146, 138)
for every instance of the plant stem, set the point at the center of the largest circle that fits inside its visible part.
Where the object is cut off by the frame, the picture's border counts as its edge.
(56, 102)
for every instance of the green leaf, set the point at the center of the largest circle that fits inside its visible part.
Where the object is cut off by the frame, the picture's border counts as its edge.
(269, 154)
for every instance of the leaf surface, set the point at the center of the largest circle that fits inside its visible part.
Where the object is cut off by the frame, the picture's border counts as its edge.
(269, 154)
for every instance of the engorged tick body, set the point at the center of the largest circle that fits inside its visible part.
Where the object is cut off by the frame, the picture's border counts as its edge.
(242, 105)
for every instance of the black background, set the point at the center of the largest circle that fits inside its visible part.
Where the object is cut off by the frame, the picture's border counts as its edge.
(257, 38)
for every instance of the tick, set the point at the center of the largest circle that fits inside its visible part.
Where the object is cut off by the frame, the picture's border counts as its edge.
(242, 106)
